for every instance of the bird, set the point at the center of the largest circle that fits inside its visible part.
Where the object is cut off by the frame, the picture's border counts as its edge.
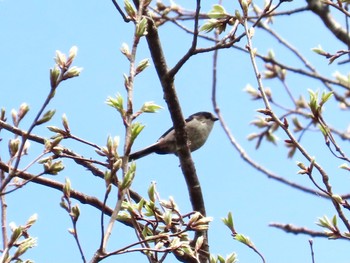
(198, 127)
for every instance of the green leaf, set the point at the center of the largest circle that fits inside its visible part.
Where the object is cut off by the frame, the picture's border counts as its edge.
(231, 258)
(199, 243)
(338, 199)
(53, 168)
(109, 144)
(75, 212)
(136, 128)
(271, 54)
(150, 107)
(16, 234)
(73, 51)
(141, 27)
(254, 93)
(24, 246)
(297, 124)
(143, 64)
(209, 25)
(14, 146)
(116, 102)
(334, 220)
(47, 116)
(152, 192)
(324, 222)
(243, 239)
(147, 232)
(212, 258)
(23, 110)
(129, 9)
(31, 220)
(270, 137)
(125, 50)
(324, 130)
(325, 97)
(140, 205)
(344, 166)
(313, 103)
(229, 221)
(221, 259)
(67, 188)
(65, 122)
(218, 11)
(168, 218)
(54, 76)
(126, 80)
(342, 79)
(129, 177)
(319, 50)
(72, 72)
(60, 59)
(56, 129)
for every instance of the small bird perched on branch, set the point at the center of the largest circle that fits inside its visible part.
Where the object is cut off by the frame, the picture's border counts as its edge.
(198, 127)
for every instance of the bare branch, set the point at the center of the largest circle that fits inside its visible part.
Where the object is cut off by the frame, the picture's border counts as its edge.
(298, 230)
(322, 10)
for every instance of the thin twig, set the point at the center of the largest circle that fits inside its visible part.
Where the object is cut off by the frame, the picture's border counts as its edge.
(275, 118)
(128, 124)
(73, 218)
(125, 18)
(186, 162)
(193, 47)
(24, 139)
(322, 11)
(312, 250)
(84, 141)
(298, 230)
(86, 163)
(3, 214)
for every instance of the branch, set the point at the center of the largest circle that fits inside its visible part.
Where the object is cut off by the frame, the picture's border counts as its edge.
(191, 50)
(240, 149)
(186, 162)
(268, 111)
(82, 198)
(171, 98)
(125, 18)
(338, 7)
(298, 230)
(71, 154)
(322, 10)
(3, 215)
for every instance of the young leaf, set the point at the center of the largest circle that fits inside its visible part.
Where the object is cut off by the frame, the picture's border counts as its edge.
(243, 239)
(136, 128)
(218, 11)
(141, 27)
(129, 9)
(325, 97)
(209, 25)
(229, 222)
(116, 102)
(150, 107)
(319, 50)
(143, 64)
(128, 177)
(47, 116)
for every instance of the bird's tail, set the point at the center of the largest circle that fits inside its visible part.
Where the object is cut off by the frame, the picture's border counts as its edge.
(142, 153)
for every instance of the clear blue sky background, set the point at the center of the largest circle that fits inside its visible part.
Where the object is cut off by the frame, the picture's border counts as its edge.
(31, 31)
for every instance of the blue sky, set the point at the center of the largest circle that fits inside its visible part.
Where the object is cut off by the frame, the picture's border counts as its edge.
(31, 32)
